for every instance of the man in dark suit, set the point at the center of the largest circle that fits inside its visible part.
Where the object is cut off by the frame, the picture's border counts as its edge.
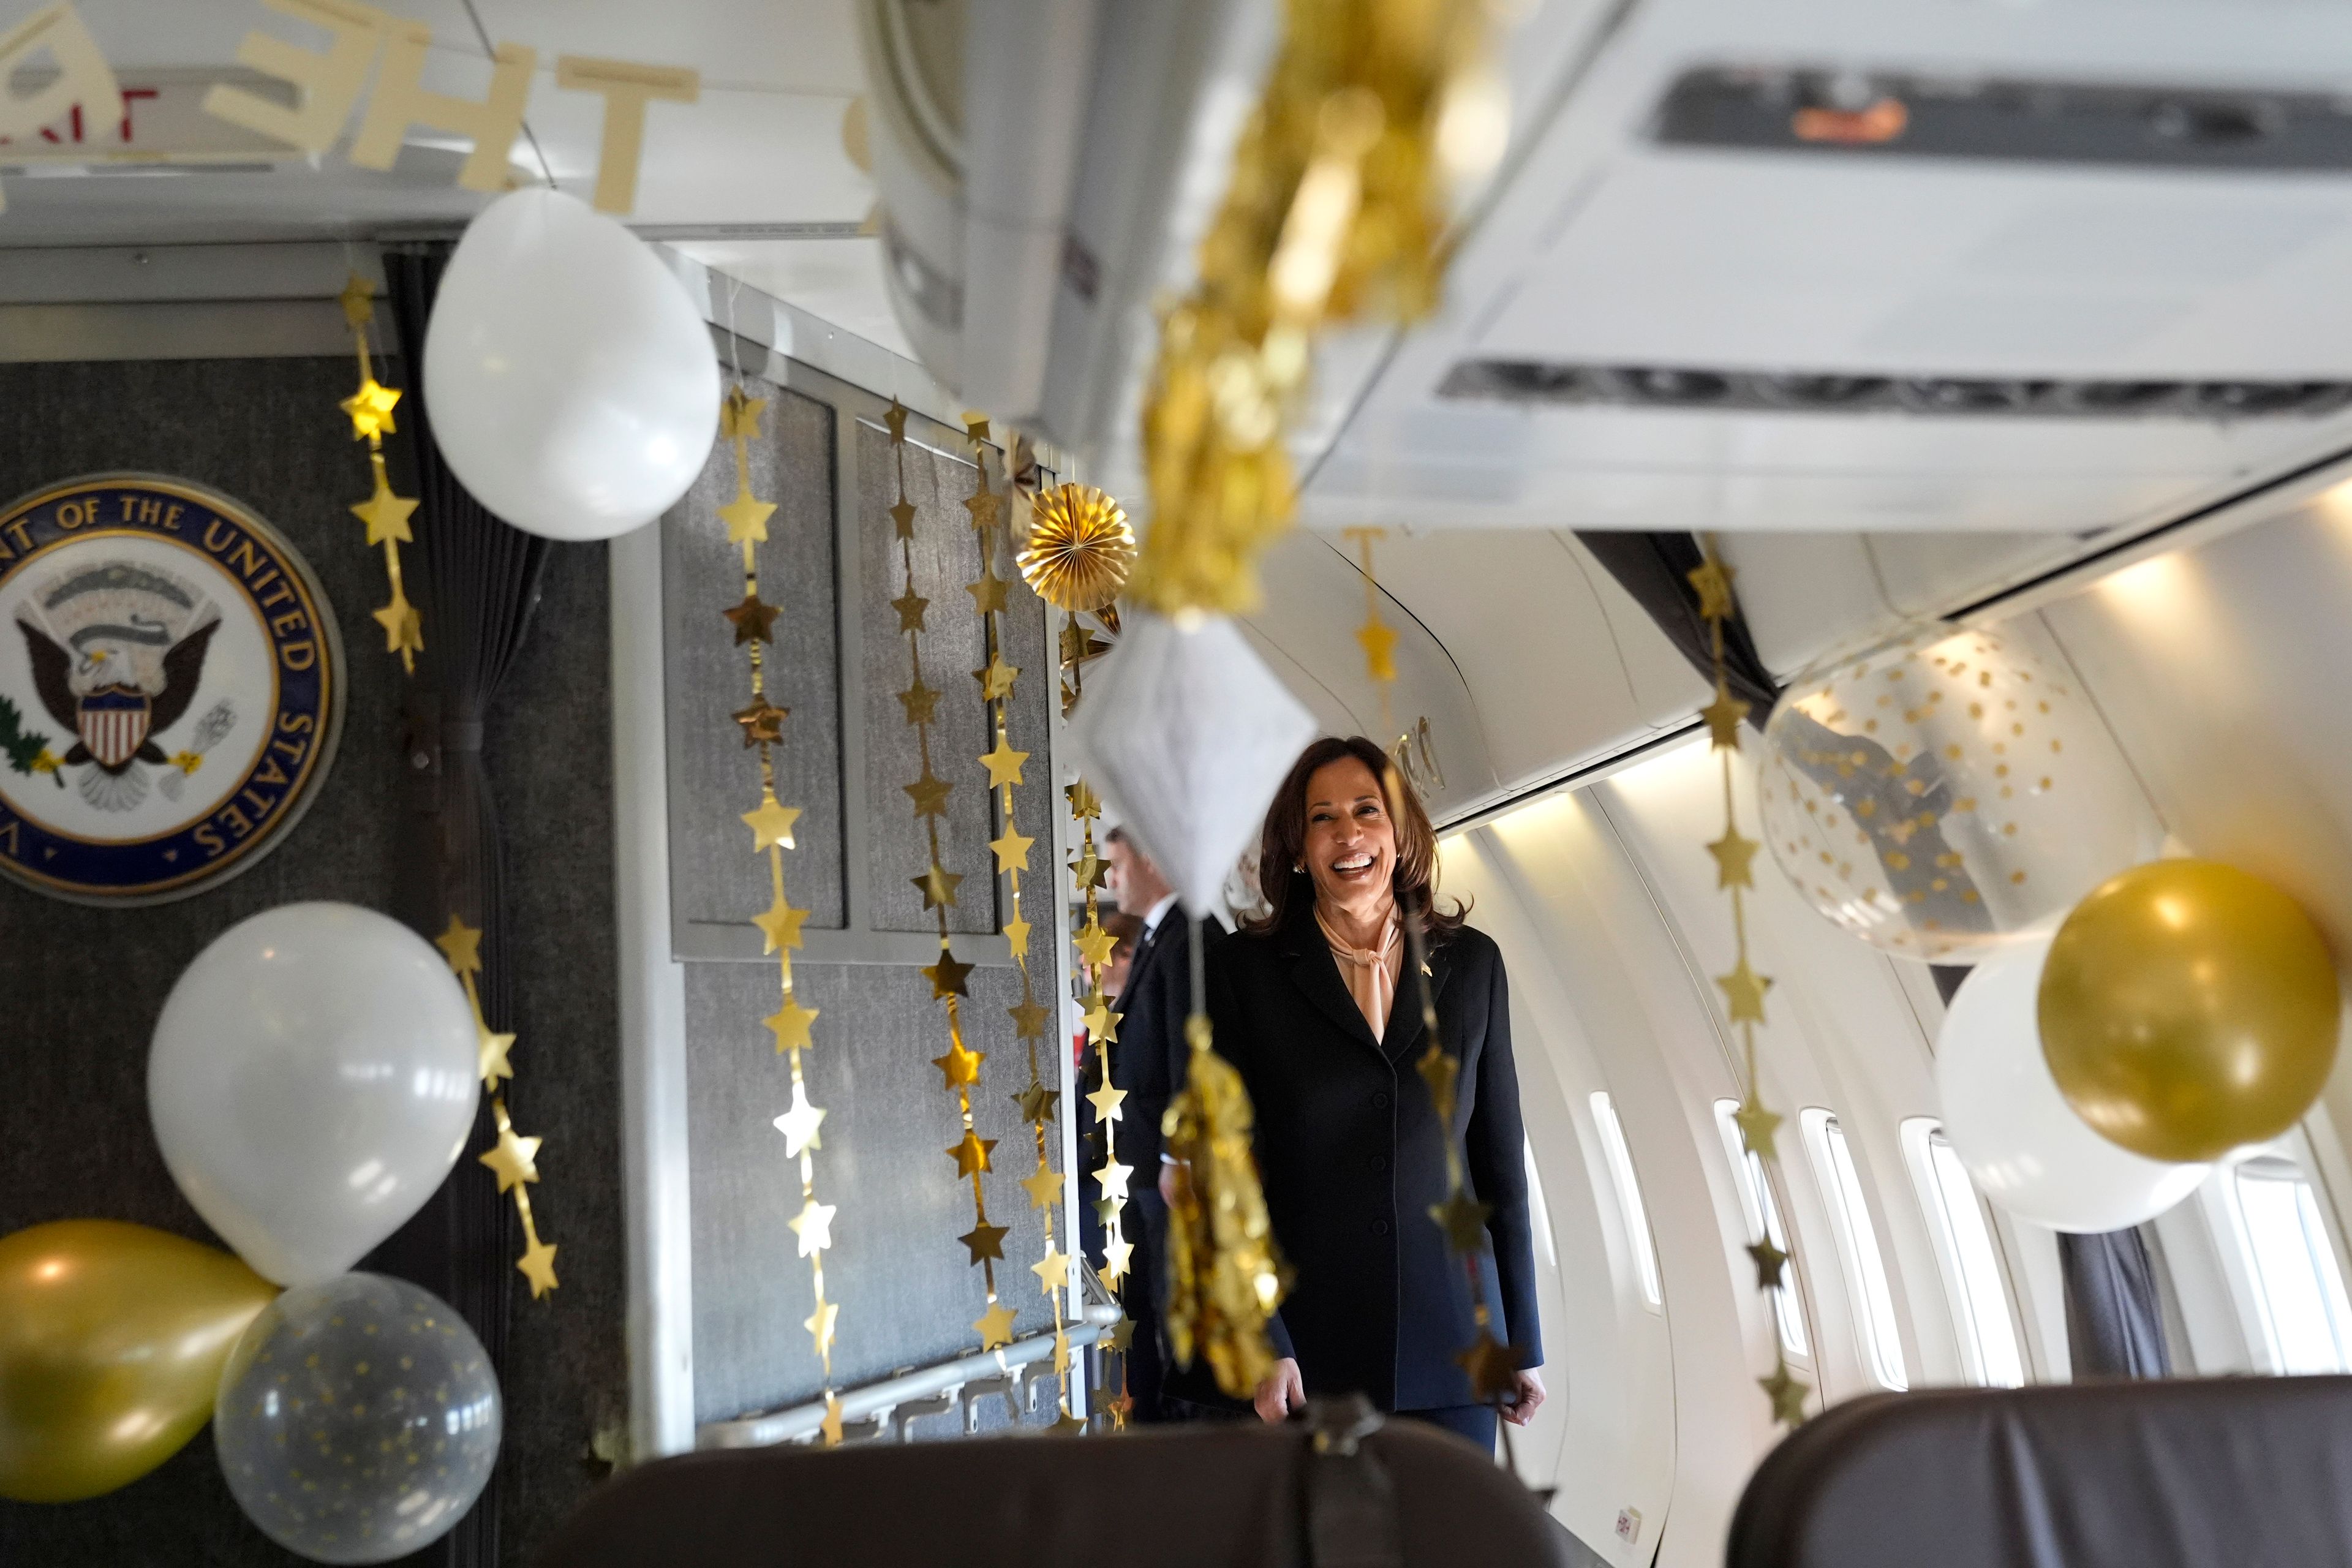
(1148, 1062)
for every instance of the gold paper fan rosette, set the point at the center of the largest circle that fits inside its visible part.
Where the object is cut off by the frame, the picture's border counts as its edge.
(1080, 548)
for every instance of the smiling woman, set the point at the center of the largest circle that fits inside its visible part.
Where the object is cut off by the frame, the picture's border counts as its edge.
(1313, 1008)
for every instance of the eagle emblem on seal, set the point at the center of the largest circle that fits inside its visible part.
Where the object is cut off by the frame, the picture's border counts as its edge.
(117, 653)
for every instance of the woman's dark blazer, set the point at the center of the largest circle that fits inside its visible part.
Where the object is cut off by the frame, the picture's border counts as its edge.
(1353, 1158)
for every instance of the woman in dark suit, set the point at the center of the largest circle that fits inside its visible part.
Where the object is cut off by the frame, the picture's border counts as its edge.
(1312, 1005)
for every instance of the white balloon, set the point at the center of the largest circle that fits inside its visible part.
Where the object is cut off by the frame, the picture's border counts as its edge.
(2019, 1140)
(571, 381)
(312, 1082)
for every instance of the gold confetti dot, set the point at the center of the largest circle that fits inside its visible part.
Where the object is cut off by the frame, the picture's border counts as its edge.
(1826, 857)
(1966, 803)
(1985, 678)
(1967, 895)
(1870, 726)
(2018, 877)
(1898, 861)
(1915, 897)
(2010, 828)
(1932, 923)
(2001, 772)
(1953, 753)
(2044, 707)
(1916, 786)
(1866, 809)
(2007, 791)
(2054, 745)
(1976, 709)
(2017, 729)
(1938, 886)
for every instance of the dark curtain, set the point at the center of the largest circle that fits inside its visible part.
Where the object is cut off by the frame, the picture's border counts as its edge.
(2115, 1322)
(475, 579)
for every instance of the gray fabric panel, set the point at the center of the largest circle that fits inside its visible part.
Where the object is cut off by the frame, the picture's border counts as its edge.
(905, 1288)
(85, 985)
(713, 778)
(946, 556)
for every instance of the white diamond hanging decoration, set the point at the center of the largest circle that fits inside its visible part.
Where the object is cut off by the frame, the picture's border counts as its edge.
(1186, 734)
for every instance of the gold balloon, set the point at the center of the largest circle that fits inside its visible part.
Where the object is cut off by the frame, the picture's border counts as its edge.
(111, 1340)
(2189, 1008)
(1080, 548)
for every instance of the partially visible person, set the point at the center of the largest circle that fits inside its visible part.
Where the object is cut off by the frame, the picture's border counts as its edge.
(1148, 1062)
(1125, 930)
(1312, 1005)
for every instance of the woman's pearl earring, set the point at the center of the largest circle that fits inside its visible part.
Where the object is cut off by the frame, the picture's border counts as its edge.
(1300, 868)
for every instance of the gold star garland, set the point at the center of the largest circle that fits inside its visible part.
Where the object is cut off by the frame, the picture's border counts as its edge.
(1334, 211)
(1492, 1365)
(385, 514)
(960, 1067)
(753, 624)
(1095, 944)
(1743, 988)
(514, 1158)
(1030, 1018)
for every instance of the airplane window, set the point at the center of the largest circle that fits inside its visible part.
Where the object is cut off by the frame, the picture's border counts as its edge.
(1964, 1243)
(1629, 1200)
(1763, 1215)
(1882, 1338)
(1541, 1210)
(2298, 1283)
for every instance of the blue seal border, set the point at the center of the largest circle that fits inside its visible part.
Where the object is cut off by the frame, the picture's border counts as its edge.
(305, 723)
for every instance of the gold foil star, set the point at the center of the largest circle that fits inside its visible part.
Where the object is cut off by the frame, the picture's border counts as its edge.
(1088, 869)
(1723, 716)
(986, 507)
(514, 1158)
(739, 415)
(971, 1154)
(895, 418)
(1053, 1270)
(959, 1066)
(798, 1125)
(985, 1241)
(1121, 1335)
(1045, 1188)
(1113, 1178)
(987, 592)
(1079, 644)
(1758, 1127)
(1084, 805)
(938, 886)
(747, 516)
(461, 944)
(1743, 991)
(1732, 855)
(947, 977)
(902, 518)
(1464, 1220)
(1029, 1020)
(830, 1425)
(490, 1055)
(771, 822)
(371, 410)
(1380, 649)
(1101, 1022)
(911, 607)
(404, 629)
(780, 927)
(1770, 1261)
(1439, 1070)
(385, 514)
(1494, 1370)
(994, 1326)
(975, 425)
(1713, 581)
(1004, 764)
(1067, 1426)
(538, 1266)
(358, 300)
(820, 1325)
(753, 621)
(762, 721)
(921, 702)
(1016, 935)
(930, 795)
(1106, 1104)
(996, 679)
(1094, 944)
(790, 1025)
(813, 1225)
(1787, 1392)
(1038, 1102)
(1116, 1258)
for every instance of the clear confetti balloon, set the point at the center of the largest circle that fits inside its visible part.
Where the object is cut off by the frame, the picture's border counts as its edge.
(1946, 795)
(358, 1419)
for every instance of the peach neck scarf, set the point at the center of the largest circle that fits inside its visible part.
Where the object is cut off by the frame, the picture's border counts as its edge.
(1370, 973)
